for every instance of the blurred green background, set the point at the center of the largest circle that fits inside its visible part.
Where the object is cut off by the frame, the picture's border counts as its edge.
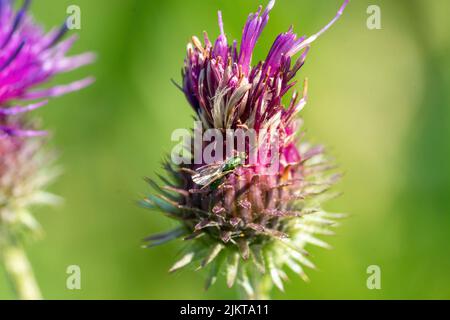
(378, 98)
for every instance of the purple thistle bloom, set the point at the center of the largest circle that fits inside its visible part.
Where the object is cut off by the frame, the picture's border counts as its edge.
(29, 58)
(235, 216)
(209, 69)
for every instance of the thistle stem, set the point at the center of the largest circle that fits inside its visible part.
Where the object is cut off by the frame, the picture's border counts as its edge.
(19, 272)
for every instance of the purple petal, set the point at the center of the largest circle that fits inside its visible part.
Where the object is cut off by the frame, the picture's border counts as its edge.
(250, 35)
(22, 133)
(314, 37)
(59, 90)
(221, 45)
(22, 109)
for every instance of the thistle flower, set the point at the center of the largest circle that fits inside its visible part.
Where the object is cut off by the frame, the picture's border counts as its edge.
(238, 217)
(28, 58)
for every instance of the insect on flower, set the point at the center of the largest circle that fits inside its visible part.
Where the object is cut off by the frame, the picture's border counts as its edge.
(212, 174)
(248, 221)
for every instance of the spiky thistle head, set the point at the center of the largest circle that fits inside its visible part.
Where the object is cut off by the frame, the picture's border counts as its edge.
(259, 207)
(28, 59)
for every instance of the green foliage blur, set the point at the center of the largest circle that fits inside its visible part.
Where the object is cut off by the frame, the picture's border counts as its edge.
(379, 99)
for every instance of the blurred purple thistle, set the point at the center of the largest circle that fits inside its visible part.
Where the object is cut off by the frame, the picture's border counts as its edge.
(29, 58)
